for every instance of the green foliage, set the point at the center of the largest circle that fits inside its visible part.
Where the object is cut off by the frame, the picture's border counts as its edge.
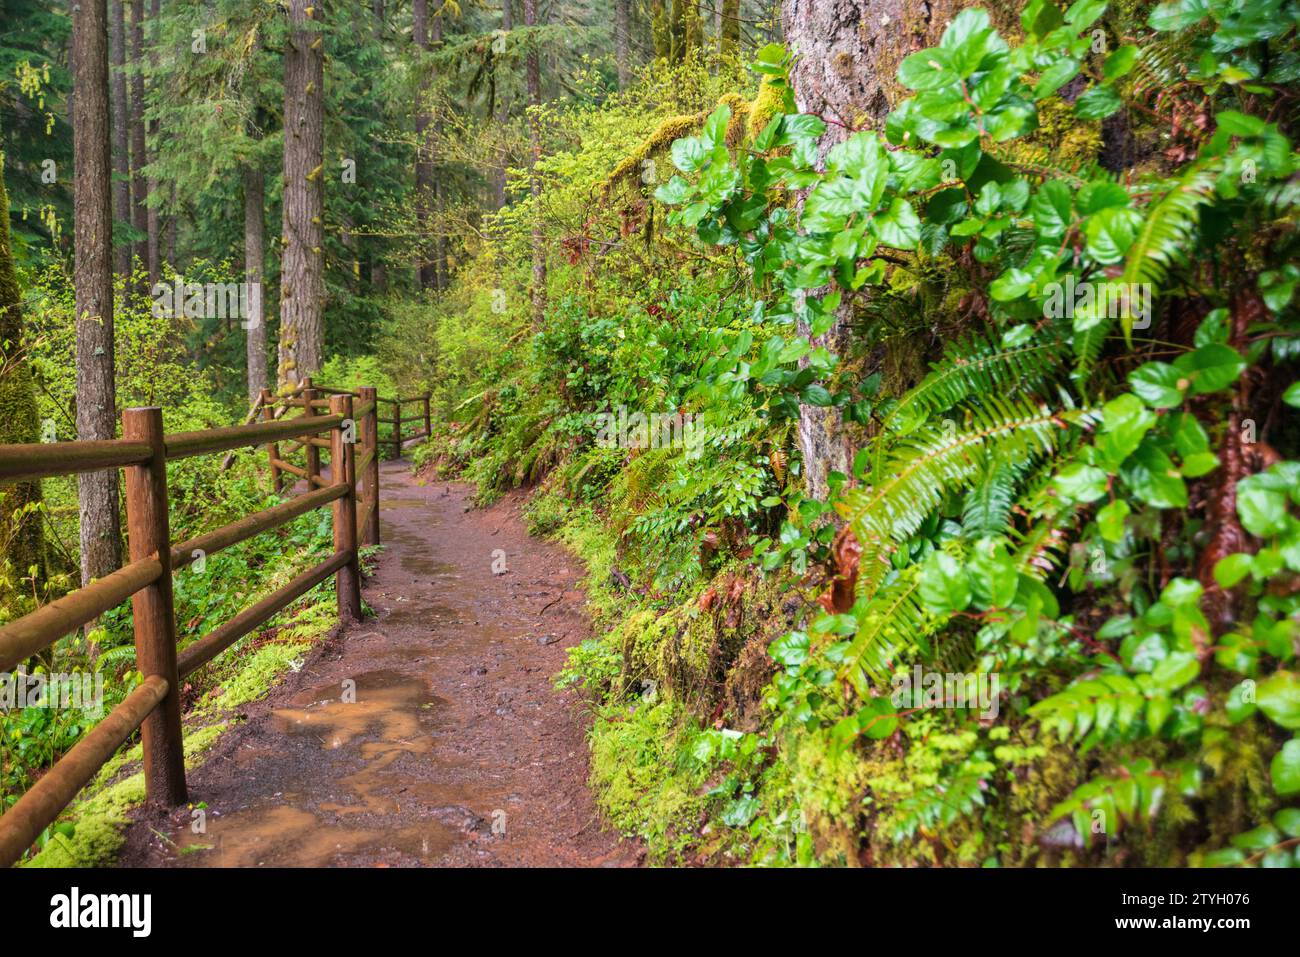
(980, 437)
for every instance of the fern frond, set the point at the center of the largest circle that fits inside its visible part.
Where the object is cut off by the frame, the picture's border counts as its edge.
(113, 657)
(641, 485)
(1169, 229)
(987, 508)
(893, 624)
(932, 462)
(974, 367)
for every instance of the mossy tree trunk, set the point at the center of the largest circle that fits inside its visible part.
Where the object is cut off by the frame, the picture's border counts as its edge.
(729, 27)
(21, 535)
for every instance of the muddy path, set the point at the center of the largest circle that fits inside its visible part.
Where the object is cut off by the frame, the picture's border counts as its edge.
(430, 735)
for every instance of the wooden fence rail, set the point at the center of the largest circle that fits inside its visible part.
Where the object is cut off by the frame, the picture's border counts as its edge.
(351, 490)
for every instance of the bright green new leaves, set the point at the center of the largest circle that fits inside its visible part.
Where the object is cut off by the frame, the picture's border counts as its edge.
(1285, 769)
(1210, 368)
(945, 585)
(1133, 796)
(1278, 696)
(1158, 384)
(1232, 569)
(1110, 232)
(967, 87)
(1124, 423)
(1262, 499)
(1081, 483)
(1119, 63)
(1152, 477)
(1110, 520)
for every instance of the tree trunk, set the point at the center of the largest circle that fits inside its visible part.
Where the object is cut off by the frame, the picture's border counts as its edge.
(152, 220)
(661, 29)
(729, 27)
(377, 7)
(168, 241)
(301, 271)
(622, 54)
(139, 188)
(533, 77)
(848, 52)
(427, 267)
(503, 108)
(23, 542)
(436, 192)
(93, 283)
(121, 135)
(254, 253)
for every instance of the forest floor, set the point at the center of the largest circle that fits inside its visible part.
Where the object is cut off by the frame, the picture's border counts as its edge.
(457, 750)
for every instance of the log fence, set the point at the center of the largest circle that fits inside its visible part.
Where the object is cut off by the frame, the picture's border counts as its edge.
(339, 423)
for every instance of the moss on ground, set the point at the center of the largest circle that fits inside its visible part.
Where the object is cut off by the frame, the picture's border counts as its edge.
(100, 816)
(642, 778)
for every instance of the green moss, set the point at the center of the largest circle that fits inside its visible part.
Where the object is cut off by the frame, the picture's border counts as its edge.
(769, 101)
(672, 128)
(256, 676)
(100, 817)
(103, 810)
(642, 778)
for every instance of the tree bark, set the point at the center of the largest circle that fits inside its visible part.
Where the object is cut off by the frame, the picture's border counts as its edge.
(503, 108)
(139, 187)
(24, 543)
(436, 191)
(729, 27)
(93, 284)
(622, 53)
(152, 244)
(533, 79)
(254, 253)
(427, 268)
(121, 134)
(377, 8)
(301, 272)
(847, 55)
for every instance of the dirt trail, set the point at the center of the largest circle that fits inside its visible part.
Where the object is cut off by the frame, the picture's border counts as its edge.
(456, 750)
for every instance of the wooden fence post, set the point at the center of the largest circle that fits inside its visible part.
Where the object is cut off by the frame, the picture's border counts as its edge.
(397, 428)
(272, 450)
(313, 453)
(370, 446)
(428, 421)
(347, 580)
(148, 534)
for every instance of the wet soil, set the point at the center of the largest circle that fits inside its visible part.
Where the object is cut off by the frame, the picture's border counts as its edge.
(429, 735)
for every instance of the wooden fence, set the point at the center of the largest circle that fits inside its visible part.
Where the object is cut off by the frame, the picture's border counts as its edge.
(337, 424)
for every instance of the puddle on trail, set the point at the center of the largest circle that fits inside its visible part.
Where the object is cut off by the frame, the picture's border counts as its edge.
(387, 705)
(284, 836)
(393, 715)
(390, 504)
(420, 613)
